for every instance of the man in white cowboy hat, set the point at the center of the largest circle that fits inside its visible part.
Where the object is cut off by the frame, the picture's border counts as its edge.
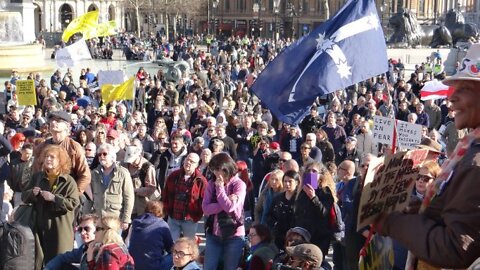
(446, 233)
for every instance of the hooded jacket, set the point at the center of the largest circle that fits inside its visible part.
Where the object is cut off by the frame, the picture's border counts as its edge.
(150, 240)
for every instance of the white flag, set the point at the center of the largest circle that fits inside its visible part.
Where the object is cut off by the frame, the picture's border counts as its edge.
(69, 55)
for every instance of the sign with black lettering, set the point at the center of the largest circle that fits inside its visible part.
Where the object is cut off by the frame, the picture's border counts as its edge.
(388, 185)
(409, 135)
(383, 130)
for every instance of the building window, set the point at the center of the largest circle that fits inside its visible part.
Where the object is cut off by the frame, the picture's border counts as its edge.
(227, 5)
(306, 6)
(241, 5)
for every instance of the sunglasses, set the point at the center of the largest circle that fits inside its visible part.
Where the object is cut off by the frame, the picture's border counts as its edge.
(102, 154)
(88, 150)
(99, 229)
(86, 229)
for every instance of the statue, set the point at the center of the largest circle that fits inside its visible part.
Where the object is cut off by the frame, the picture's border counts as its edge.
(441, 37)
(406, 29)
(459, 30)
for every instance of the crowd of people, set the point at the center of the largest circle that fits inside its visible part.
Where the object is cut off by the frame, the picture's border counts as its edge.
(134, 178)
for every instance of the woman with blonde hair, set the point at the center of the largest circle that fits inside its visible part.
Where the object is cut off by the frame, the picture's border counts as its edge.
(108, 251)
(314, 203)
(273, 188)
(54, 195)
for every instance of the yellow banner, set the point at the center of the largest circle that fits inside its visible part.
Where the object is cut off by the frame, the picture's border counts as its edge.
(124, 91)
(82, 24)
(26, 92)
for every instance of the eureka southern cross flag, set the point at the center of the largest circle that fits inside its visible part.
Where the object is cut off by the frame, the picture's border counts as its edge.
(347, 49)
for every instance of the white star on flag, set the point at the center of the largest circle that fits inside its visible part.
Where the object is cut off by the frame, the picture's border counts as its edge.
(343, 69)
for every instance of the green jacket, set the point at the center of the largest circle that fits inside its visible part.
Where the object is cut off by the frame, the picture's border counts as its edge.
(54, 221)
(117, 198)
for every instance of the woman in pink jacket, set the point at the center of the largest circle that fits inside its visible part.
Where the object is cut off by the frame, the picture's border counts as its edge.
(223, 204)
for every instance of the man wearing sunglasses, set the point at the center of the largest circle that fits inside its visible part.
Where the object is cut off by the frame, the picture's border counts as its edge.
(86, 229)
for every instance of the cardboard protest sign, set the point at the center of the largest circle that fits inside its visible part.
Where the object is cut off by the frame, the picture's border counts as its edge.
(382, 131)
(388, 185)
(408, 135)
(26, 93)
(379, 254)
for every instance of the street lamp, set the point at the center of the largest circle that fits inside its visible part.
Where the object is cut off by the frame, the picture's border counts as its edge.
(256, 10)
(276, 10)
(214, 5)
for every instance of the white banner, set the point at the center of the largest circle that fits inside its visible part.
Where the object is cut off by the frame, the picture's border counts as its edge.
(110, 77)
(68, 56)
(383, 130)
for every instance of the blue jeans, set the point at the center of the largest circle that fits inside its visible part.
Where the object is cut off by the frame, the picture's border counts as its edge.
(177, 227)
(230, 250)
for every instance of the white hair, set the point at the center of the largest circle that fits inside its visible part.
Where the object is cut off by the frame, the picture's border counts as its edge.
(112, 154)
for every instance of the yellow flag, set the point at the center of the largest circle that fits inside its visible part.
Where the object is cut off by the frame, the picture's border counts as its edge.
(82, 24)
(106, 29)
(101, 30)
(124, 91)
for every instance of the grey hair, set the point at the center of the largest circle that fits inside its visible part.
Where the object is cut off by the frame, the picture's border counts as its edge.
(112, 153)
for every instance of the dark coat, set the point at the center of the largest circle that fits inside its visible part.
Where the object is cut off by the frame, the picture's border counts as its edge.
(150, 239)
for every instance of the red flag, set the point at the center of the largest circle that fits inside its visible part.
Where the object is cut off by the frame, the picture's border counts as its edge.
(435, 90)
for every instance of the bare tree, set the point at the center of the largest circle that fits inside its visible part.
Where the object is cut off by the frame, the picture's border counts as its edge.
(175, 9)
(137, 5)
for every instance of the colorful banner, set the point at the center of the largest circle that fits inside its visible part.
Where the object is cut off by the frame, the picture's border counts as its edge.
(26, 93)
(124, 91)
(379, 254)
(388, 185)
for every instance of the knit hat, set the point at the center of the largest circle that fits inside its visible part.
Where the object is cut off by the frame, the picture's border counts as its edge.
(301, 231)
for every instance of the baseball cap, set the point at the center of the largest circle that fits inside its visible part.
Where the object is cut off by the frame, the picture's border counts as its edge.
(112, 133)
(132, 153)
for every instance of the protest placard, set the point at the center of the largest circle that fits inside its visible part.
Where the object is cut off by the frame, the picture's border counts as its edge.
(408, 135)
(388, 185)
(110, 77)
(26, 92)
(379, 254)
(383, 130)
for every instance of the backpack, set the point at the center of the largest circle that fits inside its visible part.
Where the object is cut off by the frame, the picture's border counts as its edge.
(156, 196)
(18, 247)
(336, 223)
